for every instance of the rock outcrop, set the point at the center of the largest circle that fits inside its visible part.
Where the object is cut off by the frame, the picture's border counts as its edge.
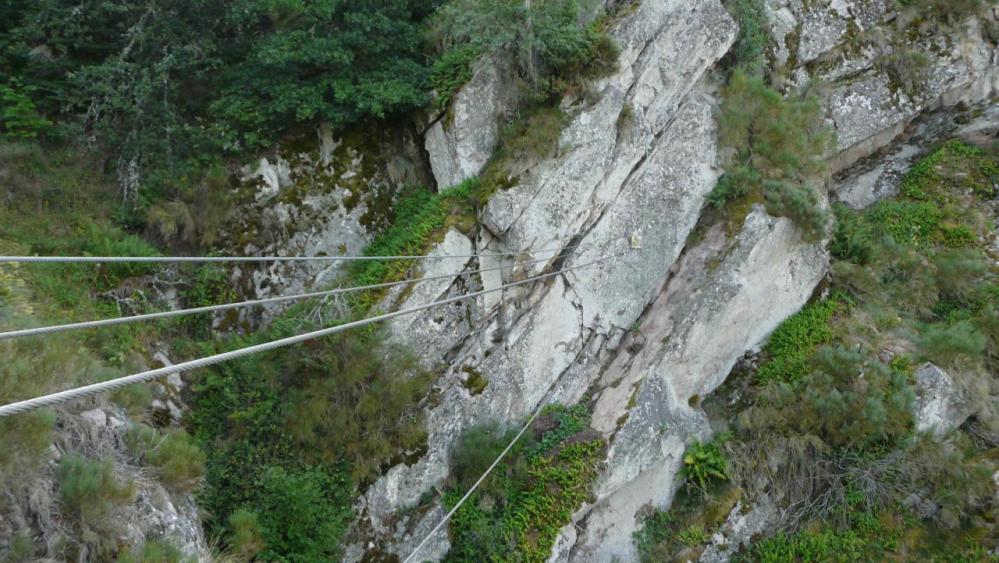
(320, 197)
(462, 139)
(941, 404)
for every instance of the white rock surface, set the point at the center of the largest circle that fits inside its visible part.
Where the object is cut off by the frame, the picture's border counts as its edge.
(738, 530)
(461, 141)
(941, 404)
(721, 302)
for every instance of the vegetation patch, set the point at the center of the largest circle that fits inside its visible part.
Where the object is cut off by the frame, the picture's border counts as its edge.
(775, 148)
(181, 464)
(682, 532)
(551, 50)
(518, 510)
(792, 345)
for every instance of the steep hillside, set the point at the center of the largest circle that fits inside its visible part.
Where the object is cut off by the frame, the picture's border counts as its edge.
(766, 328)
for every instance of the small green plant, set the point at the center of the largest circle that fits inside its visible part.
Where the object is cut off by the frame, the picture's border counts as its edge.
(853, 239)
(518, 511)
(750, 50)
(705, 464)
(154, 551)
(180, 463)
(451, 71)
(89, 489)
(247, 539)
(777, 146)
(18, 116)
(302, 515)
(960, 344)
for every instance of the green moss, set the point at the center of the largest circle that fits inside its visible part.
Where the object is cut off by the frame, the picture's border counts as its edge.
(475, 382)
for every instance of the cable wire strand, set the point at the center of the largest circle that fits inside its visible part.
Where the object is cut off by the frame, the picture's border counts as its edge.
(21, 333)
(94, 388)
(475, 486)
(205, 259)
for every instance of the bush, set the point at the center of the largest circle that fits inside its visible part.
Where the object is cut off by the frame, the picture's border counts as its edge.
(302, 515)
(750, 50)
(89, 489)
(247, 539)
(777, 147)
(18, 116)
(155, 551)
(451, 71)
(518, 511)
(179, 462)
(846, 400)
(551, 49)
(957, 345)
(853, 239)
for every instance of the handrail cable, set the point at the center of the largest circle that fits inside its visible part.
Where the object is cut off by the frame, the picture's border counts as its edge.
(204, 259)
(94, 388)
(226, 306)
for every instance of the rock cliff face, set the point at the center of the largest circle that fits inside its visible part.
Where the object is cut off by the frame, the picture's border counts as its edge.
(654, 327)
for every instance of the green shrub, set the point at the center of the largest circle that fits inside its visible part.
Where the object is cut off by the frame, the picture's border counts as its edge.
(552, 50)
(750, 50)
(846, 400)
(777, 148)
(179, 462)
(302, 514)
(518, 511)
(247, 538)
(704, 464)
(451, 71)
(959, 344)
(853, 239)
(155, 551)
(18, 116)
(89, 489)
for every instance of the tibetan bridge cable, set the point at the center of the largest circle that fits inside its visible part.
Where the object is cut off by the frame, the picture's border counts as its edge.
(475, 486)
(226, 306)
(203, 259)
(92, 389)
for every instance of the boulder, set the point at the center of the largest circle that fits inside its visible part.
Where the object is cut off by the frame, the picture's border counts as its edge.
(941, 405)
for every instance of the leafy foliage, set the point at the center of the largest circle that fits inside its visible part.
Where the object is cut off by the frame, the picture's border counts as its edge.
(302, 514)
(19, 118)
(451, 71)
(705, 463)
(794, 342)
(518, 511)
(750, 50)
(551, 49)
